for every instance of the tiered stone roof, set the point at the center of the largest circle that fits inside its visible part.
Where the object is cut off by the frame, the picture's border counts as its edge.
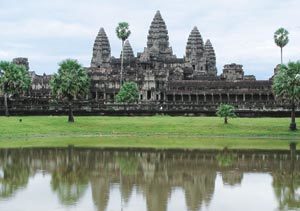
(194, 47)
(128, 52)
(158, 40)
(101, 50)
(210, 58)
(158, 33)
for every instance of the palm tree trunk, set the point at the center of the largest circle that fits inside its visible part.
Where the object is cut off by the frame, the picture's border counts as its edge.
(122, 63)
(293, 117)
(281, 55)
(71, 116)
(5, 105)
(225, 120)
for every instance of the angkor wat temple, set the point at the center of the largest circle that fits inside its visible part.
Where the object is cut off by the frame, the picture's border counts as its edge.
(167, 84)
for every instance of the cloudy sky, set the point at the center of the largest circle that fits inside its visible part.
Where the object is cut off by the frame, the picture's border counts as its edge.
(241, 31)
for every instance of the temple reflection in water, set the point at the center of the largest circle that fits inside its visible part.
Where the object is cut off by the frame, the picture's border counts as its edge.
(153, 175)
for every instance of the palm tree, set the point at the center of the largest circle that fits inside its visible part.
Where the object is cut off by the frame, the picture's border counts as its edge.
(14, 79)
(281, 39)
(286, 84)
(70, 82)
(123, 33)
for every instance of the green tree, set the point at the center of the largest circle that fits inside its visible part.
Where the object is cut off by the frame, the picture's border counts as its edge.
(281, 39)
(71, 82)
(225, 111)
(128, 93)
(14, 79)
(123, 33)
(286, 85)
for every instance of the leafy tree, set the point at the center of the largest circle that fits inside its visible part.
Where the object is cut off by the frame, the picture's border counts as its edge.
(71, 82)
(225, 110)
(281, 39)
(286, 85)
(14, 79)
(128, 93)
(123, 33)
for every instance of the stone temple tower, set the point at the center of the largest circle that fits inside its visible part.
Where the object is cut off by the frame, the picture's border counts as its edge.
(101, 50)
(128, 52)
(201, 57)
(158, 39)
(210, 56)
(195, 50)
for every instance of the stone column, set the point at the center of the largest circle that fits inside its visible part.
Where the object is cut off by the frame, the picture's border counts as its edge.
(97, 95)
(174, 97)
(236, 98)
(190, 98)
(244, 97)
(204, 97)
(197, 98)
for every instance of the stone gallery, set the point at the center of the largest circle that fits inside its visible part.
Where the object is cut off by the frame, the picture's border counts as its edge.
(167, 84)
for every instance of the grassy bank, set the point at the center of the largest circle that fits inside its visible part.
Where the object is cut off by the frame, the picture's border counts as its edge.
(154, 132)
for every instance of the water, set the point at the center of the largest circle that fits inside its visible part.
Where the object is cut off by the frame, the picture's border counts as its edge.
(86, 179)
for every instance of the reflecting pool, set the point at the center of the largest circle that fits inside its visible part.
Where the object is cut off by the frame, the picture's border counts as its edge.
(92, 179)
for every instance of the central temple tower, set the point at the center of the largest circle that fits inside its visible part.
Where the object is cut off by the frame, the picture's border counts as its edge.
(158, 40)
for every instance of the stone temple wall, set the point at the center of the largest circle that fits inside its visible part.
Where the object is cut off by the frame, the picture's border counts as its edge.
(167, 84)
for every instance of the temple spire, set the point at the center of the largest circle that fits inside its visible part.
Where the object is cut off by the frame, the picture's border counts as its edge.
(210, 56)
(158, 38)
(158, 33)
(101, 50)
(128, 52)
(194, 47)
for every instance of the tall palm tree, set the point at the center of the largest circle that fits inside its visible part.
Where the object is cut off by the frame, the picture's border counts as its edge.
(286, 84)
(123, 33)
(14, 79)
(281, 39)
(70, 82)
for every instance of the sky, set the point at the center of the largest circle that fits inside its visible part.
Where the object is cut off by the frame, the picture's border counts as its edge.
(241, 31)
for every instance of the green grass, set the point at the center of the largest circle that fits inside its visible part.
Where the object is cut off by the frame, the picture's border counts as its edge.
(150, 132)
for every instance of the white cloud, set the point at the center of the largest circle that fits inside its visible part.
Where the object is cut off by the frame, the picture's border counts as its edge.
(43, 29)
(241, 30)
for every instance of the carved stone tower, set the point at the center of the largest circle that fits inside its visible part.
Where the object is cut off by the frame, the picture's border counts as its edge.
(101, 50)
(158, 39)
(210, 56)
(194, 47)
(128, 52)
(195, 52)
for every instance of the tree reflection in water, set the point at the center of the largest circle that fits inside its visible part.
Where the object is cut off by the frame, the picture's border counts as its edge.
(15, 174)
(70, 183)
(153, 174)
(286, 183)
(230, 176)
